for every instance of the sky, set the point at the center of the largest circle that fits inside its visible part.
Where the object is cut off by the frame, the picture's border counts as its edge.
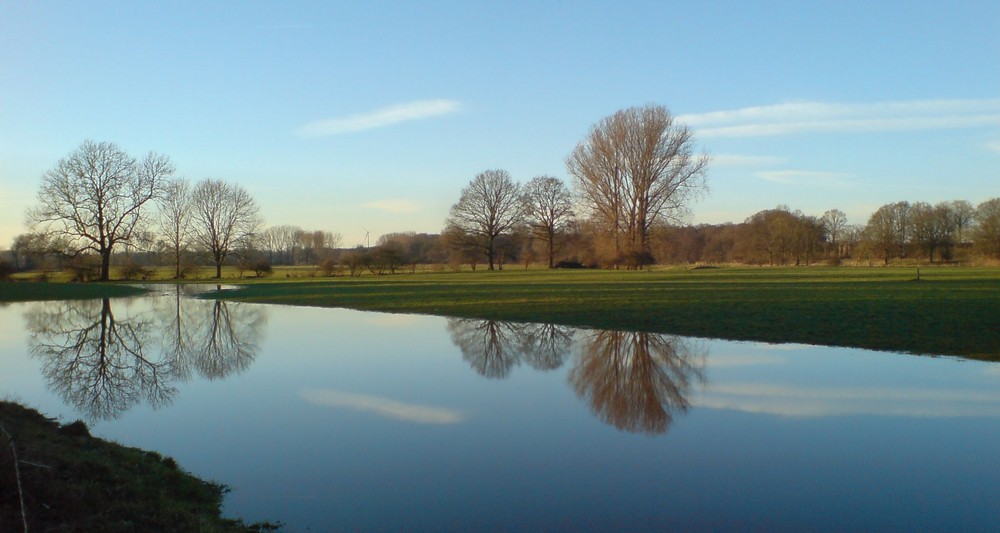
(369, 117)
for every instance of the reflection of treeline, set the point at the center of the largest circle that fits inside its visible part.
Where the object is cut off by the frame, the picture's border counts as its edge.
(634, 381)
(105, 363)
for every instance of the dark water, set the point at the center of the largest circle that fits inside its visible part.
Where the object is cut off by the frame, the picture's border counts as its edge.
(329, 419)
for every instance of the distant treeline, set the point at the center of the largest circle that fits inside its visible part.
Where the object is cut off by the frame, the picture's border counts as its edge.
(944, 232)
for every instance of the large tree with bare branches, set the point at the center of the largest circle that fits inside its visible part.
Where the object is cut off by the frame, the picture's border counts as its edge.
(634, 169)
(225, 217)
(95, 198)
(490, 205)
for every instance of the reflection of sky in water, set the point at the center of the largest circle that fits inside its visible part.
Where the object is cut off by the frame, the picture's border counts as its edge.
(345, 420)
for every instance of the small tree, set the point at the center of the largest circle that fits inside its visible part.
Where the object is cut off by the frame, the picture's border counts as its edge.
(988, 227)
(834, 222)
(175, 220)
(548, 208)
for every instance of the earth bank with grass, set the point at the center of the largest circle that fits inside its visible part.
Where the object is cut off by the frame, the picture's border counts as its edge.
(57, 477)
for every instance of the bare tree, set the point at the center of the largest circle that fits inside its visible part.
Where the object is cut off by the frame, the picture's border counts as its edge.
(834, 222)
(490, 205)
(549, 210)
(281, 242)
(889, 229)
(963, 215)
(175, 219)
(225, 218)
(988, 227)
(932, 228)
(95, 198)
(635, 168)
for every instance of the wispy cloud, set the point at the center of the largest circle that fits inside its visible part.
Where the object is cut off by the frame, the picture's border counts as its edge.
(994, 146)
(795, 176)
(810, 117)
(379, 118)
(737, 160)
(408, 412)
(393, 205)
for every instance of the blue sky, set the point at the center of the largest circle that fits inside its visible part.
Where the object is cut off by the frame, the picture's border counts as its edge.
(343, 116)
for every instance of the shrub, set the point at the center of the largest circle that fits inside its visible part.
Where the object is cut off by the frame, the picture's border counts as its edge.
(262, 268)
(6, 269)
(328, 267)
(84, 268)
(132, 270)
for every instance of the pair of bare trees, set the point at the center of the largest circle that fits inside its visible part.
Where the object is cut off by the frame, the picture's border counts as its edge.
(214, 216)
(99, 198)
(493, 205)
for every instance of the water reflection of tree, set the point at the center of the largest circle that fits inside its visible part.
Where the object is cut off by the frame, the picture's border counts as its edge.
(96, 361)
(633, 381)
(104, 365)
(637, 381)
(490, 346)
(545, 346)
(493, 348)
(229, 338)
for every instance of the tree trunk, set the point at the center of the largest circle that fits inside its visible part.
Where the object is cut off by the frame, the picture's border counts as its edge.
(106, 264)
(552, 237)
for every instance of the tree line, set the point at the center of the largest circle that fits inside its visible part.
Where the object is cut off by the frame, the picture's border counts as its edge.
(633, 178)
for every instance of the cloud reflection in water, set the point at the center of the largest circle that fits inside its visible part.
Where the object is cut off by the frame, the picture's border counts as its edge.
(389, 408)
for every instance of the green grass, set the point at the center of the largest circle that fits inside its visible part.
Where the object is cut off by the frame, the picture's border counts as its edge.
(25, 292)
(952, 311)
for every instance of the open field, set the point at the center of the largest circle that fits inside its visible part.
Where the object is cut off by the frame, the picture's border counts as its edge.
(953, 311)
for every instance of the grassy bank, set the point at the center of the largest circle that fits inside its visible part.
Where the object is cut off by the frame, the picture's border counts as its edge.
(59, 478)
(954, 311)
(27, 292)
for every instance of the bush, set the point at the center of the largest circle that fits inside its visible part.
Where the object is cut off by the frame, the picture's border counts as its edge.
(329, 267)
(84, 268)
(6, 269)
(132, 270)
(262, 268)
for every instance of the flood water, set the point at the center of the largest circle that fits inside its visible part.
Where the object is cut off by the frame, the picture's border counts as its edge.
(329, 419)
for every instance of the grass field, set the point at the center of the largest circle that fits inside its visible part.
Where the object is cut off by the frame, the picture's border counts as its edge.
(953, 311)
(24, 292)
(949, 311)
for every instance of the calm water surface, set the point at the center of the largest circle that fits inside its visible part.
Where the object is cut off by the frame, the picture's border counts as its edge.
(330, 419)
